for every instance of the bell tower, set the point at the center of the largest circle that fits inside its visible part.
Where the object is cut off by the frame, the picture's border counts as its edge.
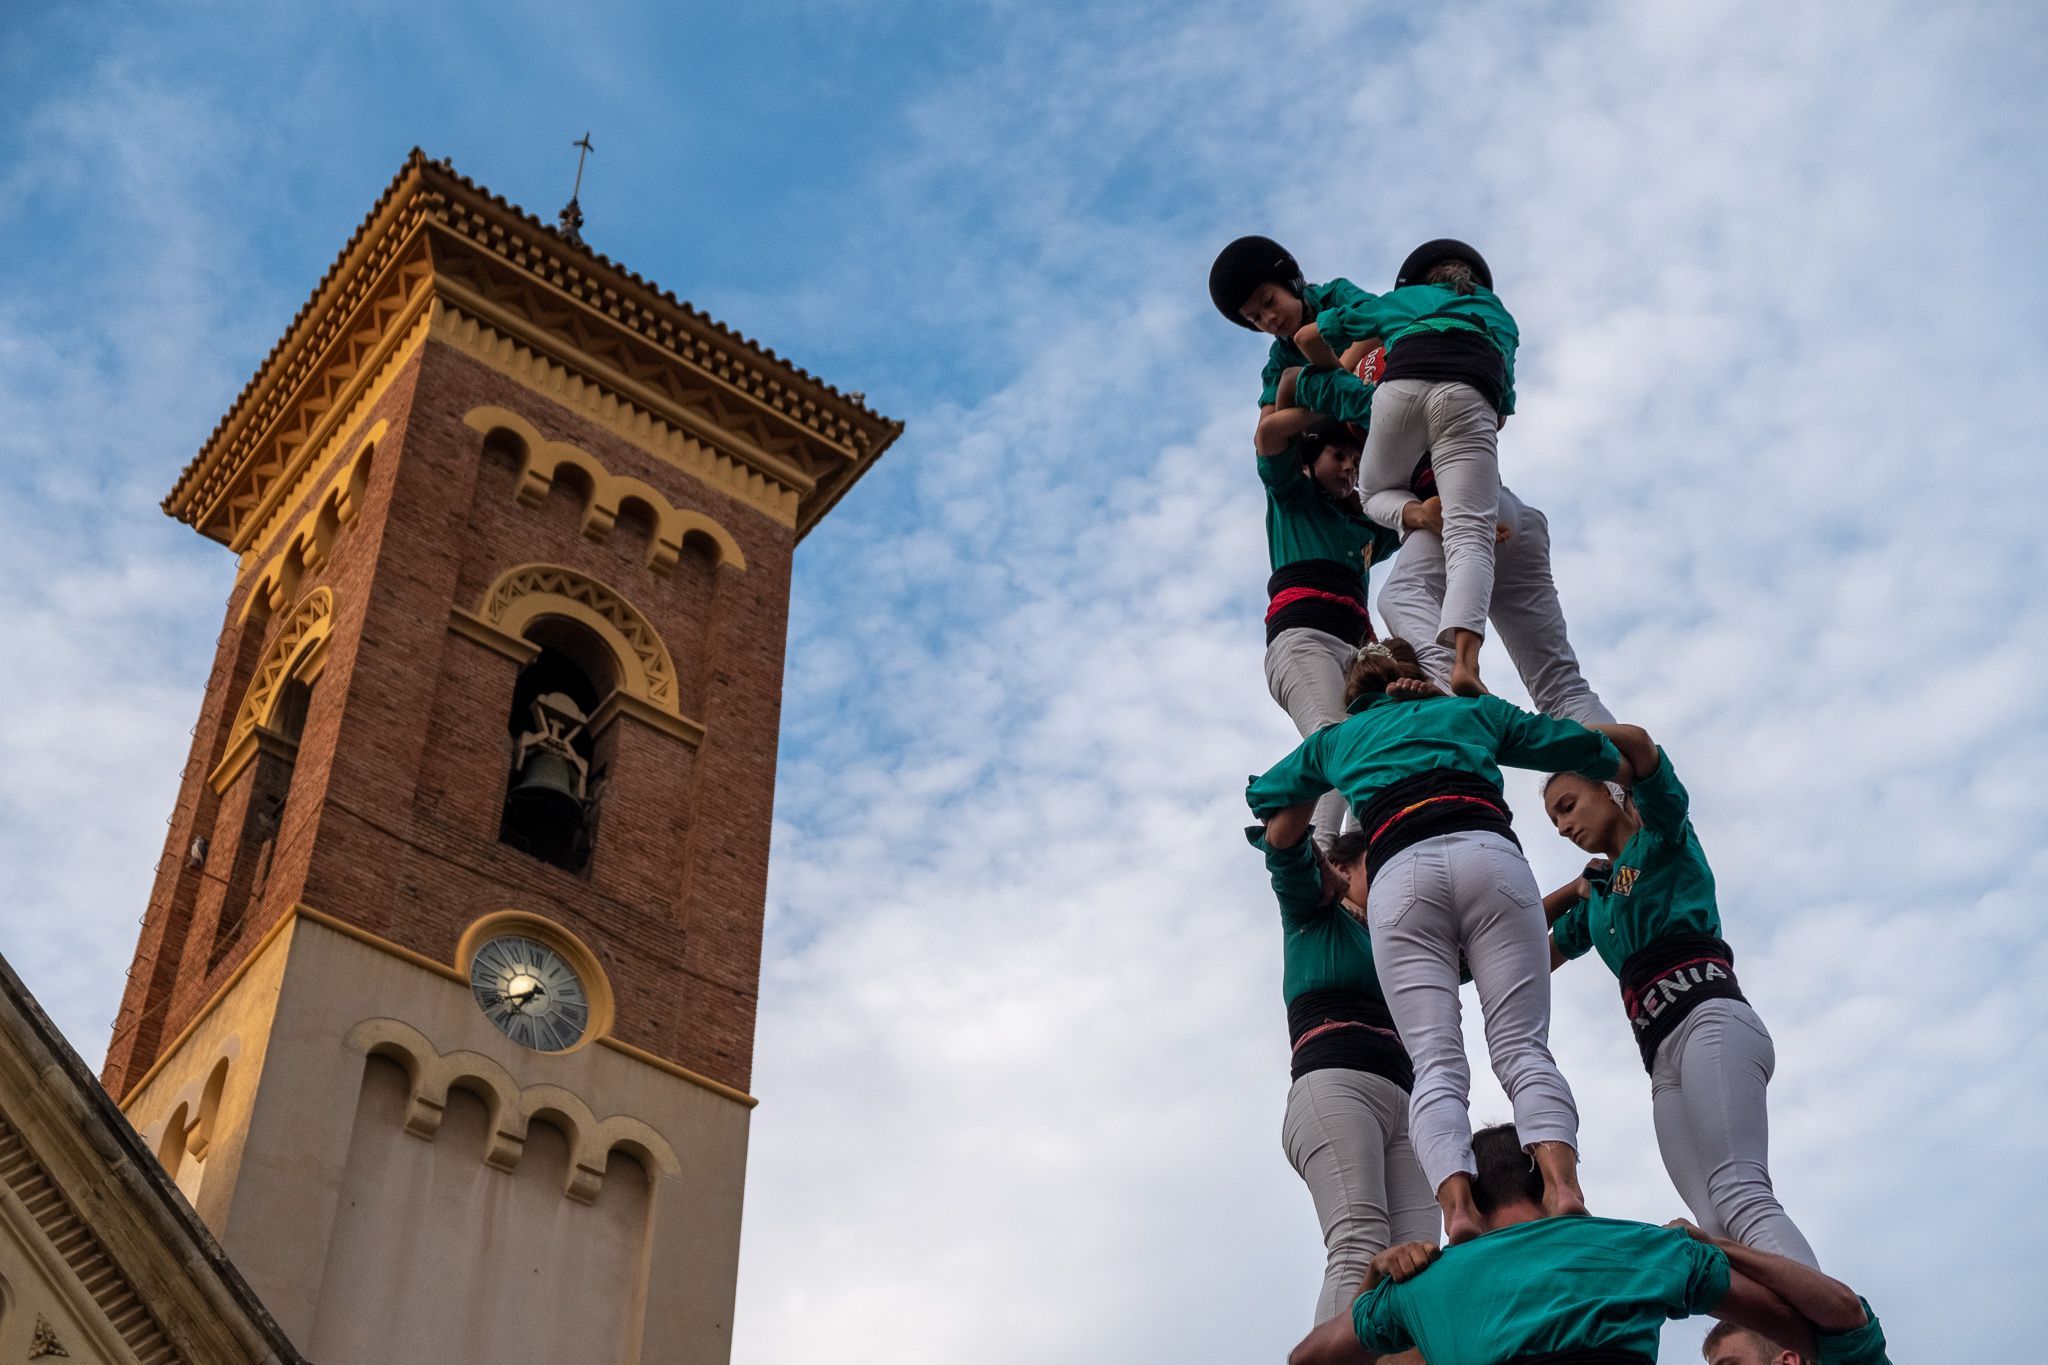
(442, 1012)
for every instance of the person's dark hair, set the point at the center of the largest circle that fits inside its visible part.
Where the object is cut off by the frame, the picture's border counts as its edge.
(1246, 264)
(1347, 848)
(1318, 436)
(1375, 665)
(1507, 1174)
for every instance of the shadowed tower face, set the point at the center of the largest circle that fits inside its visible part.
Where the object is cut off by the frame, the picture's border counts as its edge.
(442, 1012)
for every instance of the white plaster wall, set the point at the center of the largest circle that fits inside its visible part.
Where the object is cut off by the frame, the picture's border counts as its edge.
(437, 1256)
(316, 1189)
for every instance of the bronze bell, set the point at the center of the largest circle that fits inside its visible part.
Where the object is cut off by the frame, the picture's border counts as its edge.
(548, 791)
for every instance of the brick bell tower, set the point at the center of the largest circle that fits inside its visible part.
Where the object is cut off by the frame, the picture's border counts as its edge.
(443, 1010)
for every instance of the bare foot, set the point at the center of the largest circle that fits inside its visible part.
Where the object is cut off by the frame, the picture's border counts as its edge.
(1465, 681)
(1461, 1213)
(1561, 1202)
(1560, 1166)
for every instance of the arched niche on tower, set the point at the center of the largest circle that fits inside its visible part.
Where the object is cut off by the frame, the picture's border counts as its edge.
(296, 655)
(541, 463)
(519, 614)
(588, 660)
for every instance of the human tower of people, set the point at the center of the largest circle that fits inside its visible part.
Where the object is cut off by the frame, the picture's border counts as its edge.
(1398, 872)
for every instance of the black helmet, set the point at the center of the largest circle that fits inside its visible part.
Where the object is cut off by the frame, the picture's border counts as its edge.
(1431, 254)
(1243, 266)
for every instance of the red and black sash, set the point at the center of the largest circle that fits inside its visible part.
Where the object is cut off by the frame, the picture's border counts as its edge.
(1666, 980)
(1440, 801)
(1318, 594)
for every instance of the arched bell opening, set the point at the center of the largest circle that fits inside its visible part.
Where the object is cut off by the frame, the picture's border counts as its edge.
(557, 773)
(270, 776)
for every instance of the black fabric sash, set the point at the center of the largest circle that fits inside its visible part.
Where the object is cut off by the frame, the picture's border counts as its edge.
(1440, 801)
(1461, 357)
(1351, 626)
(1347, 1030)
(1666, 980)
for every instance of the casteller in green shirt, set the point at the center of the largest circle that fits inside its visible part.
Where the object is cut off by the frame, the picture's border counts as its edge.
(1859, 1346)
(1385, 740)
(1326, 947)
(1318, 301)
(1552, 1284)
(1303, 523)
(1660, 884)
(1420, 310)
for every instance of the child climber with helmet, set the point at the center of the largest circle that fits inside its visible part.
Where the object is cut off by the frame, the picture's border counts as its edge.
(1448, 385)
(1257, 284)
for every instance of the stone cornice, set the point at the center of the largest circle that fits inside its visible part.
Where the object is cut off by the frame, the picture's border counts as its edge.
(71, 1165)
(436, 240)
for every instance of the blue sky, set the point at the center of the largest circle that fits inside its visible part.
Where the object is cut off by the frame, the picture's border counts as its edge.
(1021, 1054)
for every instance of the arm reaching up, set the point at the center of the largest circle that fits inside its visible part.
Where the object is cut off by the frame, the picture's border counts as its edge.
(1636, 746)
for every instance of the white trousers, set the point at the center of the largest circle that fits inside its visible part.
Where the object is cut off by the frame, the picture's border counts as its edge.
(1305, 673)
(1469, 893)
(1707, 1098)
(1524, 610)
(1459, 429)
(1346, 1135)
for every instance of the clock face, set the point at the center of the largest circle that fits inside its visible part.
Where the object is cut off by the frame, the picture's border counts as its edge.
(530, 992)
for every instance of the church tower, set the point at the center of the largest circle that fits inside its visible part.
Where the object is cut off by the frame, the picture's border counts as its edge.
(442, 1013)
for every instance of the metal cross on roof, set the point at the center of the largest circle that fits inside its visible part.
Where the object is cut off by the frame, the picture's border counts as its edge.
(572, 212)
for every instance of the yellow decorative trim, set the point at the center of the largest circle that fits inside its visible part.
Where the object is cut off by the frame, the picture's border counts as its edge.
(543, 460)
(671, 437)
(681, 1073)
(311, 543)
(534, 590)
(170, 1049)
(366, 363)
(524, 922)
(300, 651)
(380, 943)
(435, 239)
(424, 963)
(472, 627)
(619, 703)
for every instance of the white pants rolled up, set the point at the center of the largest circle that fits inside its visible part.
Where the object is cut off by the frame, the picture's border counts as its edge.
(1459, 429)
(1469, 893)
(1525, 612)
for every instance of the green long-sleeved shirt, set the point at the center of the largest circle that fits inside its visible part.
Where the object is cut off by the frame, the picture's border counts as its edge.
(1556, 1284)
(1385, 740)
(1858, 1346)
(1317, 301)
(1326, 947)
(1335, 393)
(1426, 308)
(1660, 884)
(1302, 523)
